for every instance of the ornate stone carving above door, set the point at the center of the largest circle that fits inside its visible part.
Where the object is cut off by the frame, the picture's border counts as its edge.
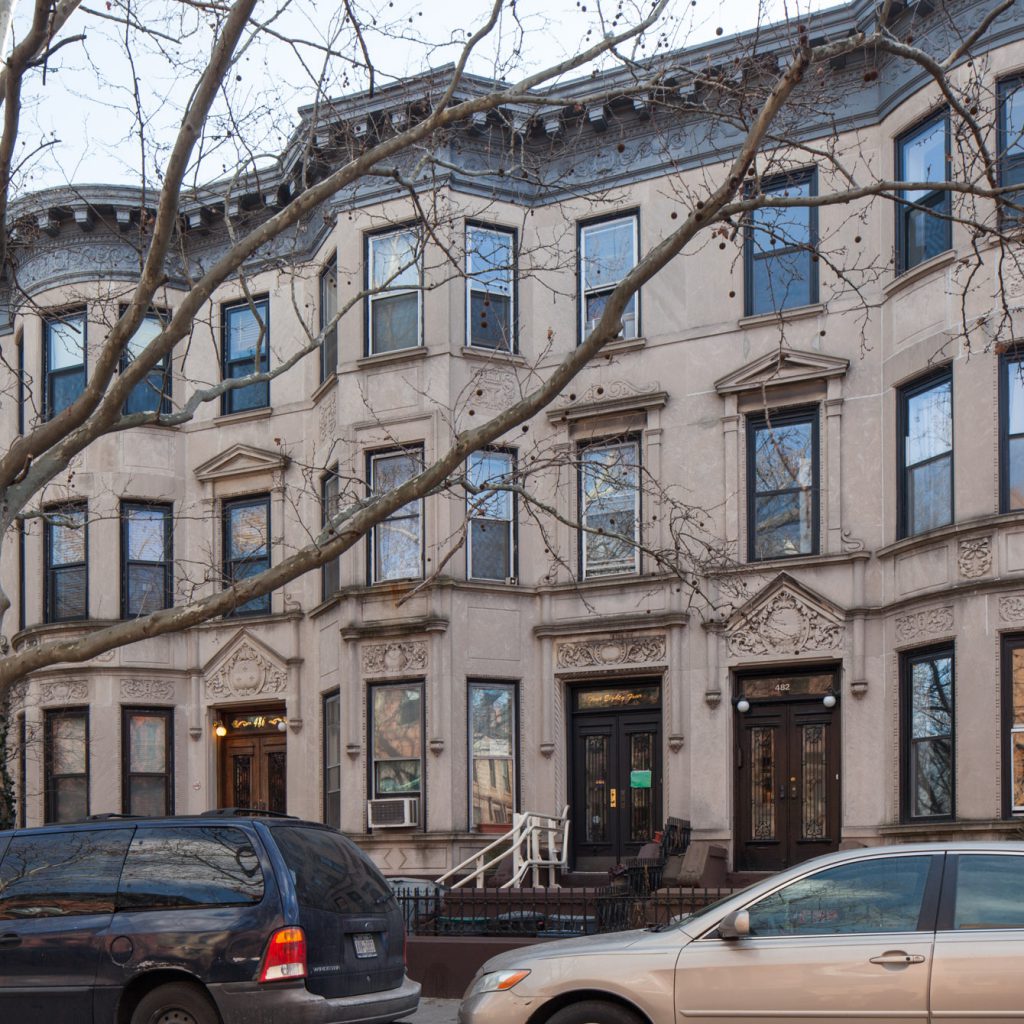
(147, 689)
(243, 670)
(611, 651)
(929, 622)
(395, 657)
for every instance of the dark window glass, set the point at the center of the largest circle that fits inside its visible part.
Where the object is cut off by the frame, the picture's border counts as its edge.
(330, 873)
(1013, 736)
(394, 278)
(67, 566)
(928, 719)
(926, 455)
(397, 740)
(492, 740)
(152, 393)
(882, 895)
(610, 508)
(490, 255)
(66, 757)
(782, 477)
(189, 867)
(490, 514)
(247, 547)
(147, 565)
(396, 544)
(923, 226)
(147, 742)
(989, 891)
(1012, 396)
(64, 362)
(329, 497)
(1011, 139)
(247, 350)
(332, 760)
(779, 247)
(608, 252)
(60, 874)
(328, 311)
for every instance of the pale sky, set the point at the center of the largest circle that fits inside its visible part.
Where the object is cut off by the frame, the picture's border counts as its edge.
(87, 103)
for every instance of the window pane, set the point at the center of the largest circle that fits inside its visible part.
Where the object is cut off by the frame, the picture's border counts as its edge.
(989, 892)
(396, 722)
(1014, 370)
(930, 495)
(783, 525)
(252, 396)
(926, 235)
(490, 319)
(780, 282)
(70, 799)
(1017, 669)
(609, 501)
(61, 873)
(147, 796)
(398, 548)
(882, 895)
(146, 589)
(397, 778)
(490, 260)
(247, 330)
(394, 261)
(247, 531)
(491, 711)
(65, 341)
(931, 729)
(65, 387)
(609, 252)
(147, 330)
(395, 322)
(1013, 119)
(490, 468)
(595, 303)
(489, 542)
(923, 157)
(783, 456)
(780, 228)
(190, 867)
(68, 744)
(147, 534)
(68, 597)
(929, 423)
(147, 743)
(492, 791)
(67, 537)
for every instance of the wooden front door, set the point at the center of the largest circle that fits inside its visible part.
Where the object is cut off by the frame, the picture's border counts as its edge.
(253, 772)
(787, 792)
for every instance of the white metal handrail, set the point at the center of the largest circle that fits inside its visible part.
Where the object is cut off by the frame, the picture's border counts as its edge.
(536, 842)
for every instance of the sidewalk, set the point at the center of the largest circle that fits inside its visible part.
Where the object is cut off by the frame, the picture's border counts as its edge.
(435, 1011)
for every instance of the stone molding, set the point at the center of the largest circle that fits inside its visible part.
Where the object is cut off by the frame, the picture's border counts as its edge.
(974, 557)
(612, 651)
(147, 689)
(245, 671)
(929, 622)
(64, 691)
(395, 658)
(783, 622)
(1011, 607)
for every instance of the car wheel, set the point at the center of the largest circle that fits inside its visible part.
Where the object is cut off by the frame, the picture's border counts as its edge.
(593, 1011)
(179, 1003)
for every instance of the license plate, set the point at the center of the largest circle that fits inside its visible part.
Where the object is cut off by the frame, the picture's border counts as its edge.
(365, 946)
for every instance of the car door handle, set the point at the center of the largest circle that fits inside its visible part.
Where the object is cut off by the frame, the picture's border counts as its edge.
(9, 940)
(897, 956)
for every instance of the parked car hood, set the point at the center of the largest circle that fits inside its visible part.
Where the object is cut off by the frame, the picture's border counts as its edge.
(584, 946)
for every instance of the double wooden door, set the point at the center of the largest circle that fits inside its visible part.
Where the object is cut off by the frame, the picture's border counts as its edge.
(254, 772)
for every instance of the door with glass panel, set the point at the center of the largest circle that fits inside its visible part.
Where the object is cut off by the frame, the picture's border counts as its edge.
(254, 762)
(616, 757)
(787, 771)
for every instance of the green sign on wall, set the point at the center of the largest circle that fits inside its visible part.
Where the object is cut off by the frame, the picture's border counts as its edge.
(640, 779)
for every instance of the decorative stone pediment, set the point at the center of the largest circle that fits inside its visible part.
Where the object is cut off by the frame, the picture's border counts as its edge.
(241, 460)
(785, 618)
(612, 651)
(244, 669)
(609, 397)
(781, 366)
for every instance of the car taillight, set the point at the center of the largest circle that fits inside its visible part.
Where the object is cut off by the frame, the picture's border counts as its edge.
(285, 958)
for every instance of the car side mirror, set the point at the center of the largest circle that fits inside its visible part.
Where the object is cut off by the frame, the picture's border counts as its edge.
(735, 925)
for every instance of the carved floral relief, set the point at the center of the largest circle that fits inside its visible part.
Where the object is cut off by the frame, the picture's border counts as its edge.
(246, 673)
(1011, 607)
(785, 624)
(926, 623)
(397, 656)
(147, 689)
(64, 691)
(974, 557)
(611, 651)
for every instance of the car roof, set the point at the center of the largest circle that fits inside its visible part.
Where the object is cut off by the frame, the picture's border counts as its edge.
(207, 819)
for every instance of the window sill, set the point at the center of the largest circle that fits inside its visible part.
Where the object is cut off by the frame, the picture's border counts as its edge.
(914, 274)
(622, 345)
(403, 355)
(265, 412)
(493, 355)
(782, 315)
(325, 386)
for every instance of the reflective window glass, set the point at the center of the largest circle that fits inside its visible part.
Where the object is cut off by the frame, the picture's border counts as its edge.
(926, 456)
(490, 515)
(989, 891)
(397, 740)
(396, 543)
(608, 251)
(492, 711)
(928, 725)
(610, 508)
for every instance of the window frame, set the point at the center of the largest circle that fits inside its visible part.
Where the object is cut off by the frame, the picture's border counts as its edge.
(371, 550)
(50, 715)
(513, 294)
(49, 591)
(637, 570)
(127, 505)
(167, 714)
(331, 697)
(907, 661)
(1008, 642)
(370, 238)
(1006, 360)
(477, 682)
(330, 571)
(229, 397)
(582, 226)
(779, 183)
(904, 393)
(1004, 88)
(49, 374)
(162, 369)
(371, 774)
(329, 343)
(940, 201)
(513, 520)
(227, 506)
(785, 416)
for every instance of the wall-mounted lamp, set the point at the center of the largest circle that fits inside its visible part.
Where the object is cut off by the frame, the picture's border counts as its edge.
(220, 730)
(829, 700)
(743, 705)
(282, 726)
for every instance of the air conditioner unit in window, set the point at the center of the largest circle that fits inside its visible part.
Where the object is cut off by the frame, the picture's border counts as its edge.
(628, 326)
(394, 812)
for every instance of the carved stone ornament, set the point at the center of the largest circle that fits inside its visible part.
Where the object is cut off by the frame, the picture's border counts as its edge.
(494, 388)
(974, 557)
(1011, 607)
(328, 418)
(611, 651)
(247, 672)
(616, 390)
(784, 624)
(397, 656)
(64, 691)
(147, 689)
(927, 623)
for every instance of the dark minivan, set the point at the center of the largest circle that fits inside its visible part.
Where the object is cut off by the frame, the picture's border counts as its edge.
(213, 919)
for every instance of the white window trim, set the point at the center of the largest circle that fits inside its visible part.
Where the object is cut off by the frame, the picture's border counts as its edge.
(470, 499)
(375, 576)
(635, 570)
(634, 220)
(391, 293)
(471, 282)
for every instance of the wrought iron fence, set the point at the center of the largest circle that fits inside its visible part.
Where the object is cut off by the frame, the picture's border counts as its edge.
(545, 913)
